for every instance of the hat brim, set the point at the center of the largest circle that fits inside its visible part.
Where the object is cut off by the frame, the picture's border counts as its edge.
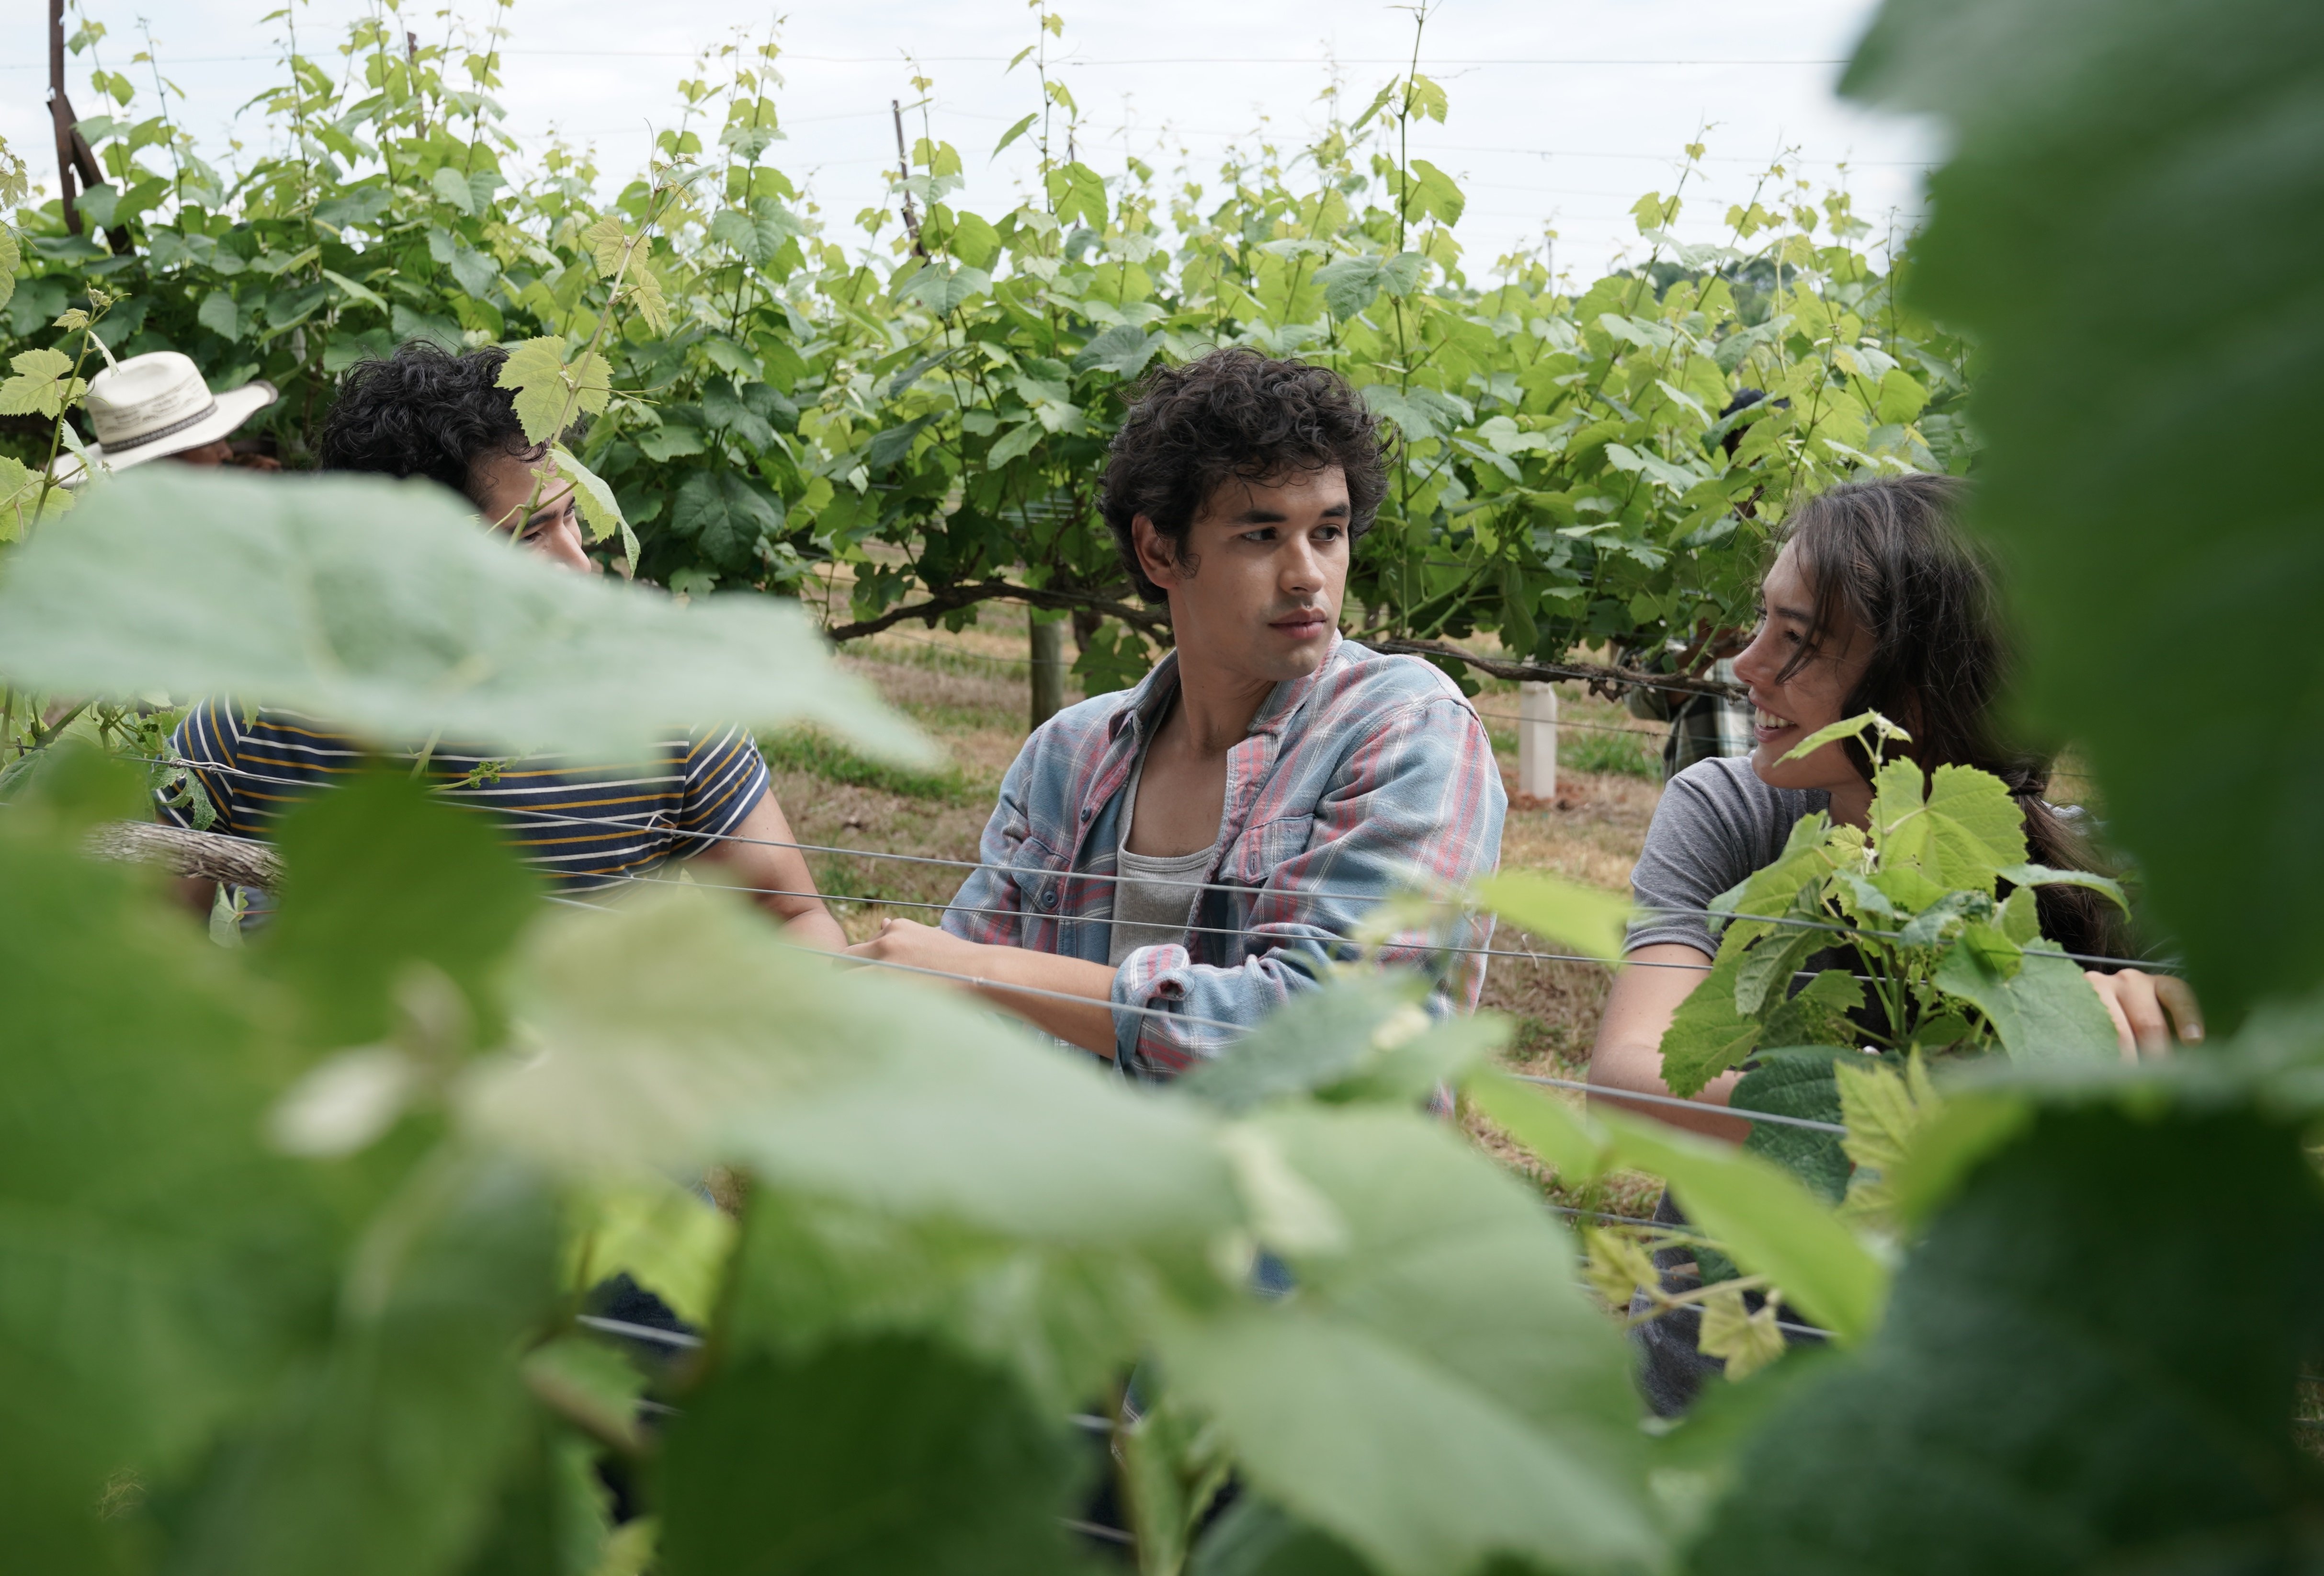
(234, 407)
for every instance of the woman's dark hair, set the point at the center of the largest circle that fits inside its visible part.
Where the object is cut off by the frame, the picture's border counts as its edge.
(1887, 560)
(1231, 413)
(423, 411)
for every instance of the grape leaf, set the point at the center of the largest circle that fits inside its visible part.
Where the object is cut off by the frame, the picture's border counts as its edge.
(1439, 1388)
(1585, 918)
(1708, 1034)
(644, 292)
(380, 874)
(682, 1032)
(1430, 193)
(1776, 886)
(1817, 1013)
(387, 1454)
(2045, 1013)
(2053, 1392)
(756, 232)
(1748, 1340)
(601, 512)
(877, 1456)
(1975, 829)
(1123, 350)
(943, 287)
(451, 187)
(1076, 191)
(384, 608)
(1797, 1082)
(1768, 1222)
(44, 383)
(156, 1259)
(551, 391)
(607, 243)
(1254, 1538)
(2083, 188)
(726, 516)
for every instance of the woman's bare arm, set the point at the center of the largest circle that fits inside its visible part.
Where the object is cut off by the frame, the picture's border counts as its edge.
(1627, 1054)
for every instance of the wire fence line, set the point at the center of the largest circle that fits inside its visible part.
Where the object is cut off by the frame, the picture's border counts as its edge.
(1603, 1091)
(648, 820)
(983, 984)
(1655, 734)
(874, 901)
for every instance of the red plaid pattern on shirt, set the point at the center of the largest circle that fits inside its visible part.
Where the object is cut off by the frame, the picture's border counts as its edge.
(1371, 776)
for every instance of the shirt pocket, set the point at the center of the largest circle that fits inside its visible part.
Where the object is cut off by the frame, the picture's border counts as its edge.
(1264, 848)
(1039, 873)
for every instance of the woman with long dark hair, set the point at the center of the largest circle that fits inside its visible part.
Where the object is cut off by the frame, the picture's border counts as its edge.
(1876, 603)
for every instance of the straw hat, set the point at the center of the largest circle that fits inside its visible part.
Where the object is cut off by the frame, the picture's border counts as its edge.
(157, 404)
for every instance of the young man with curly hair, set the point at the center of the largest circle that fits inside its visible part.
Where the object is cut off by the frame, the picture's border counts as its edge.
(1195, 848)
(426, 412)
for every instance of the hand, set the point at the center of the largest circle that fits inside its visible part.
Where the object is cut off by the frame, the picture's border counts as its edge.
(919, 946)
(2150, 1011)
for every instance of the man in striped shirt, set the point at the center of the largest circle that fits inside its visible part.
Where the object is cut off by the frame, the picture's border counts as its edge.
(586, 826)
(1167, 865)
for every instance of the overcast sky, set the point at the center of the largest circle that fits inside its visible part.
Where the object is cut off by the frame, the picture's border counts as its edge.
(1563, 112)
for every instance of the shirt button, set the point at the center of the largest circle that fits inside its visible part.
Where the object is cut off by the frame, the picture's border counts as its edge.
(1049, 897)
(1087, 812)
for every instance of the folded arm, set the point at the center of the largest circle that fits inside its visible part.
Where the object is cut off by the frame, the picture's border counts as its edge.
(1417, 803)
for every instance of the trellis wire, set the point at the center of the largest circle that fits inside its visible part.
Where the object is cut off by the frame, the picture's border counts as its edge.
(1640, 682)
(646, 1332)
(985, 985)
(1603, 1091)
(870, 900)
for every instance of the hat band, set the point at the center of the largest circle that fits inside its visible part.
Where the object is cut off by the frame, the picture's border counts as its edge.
(157, 433)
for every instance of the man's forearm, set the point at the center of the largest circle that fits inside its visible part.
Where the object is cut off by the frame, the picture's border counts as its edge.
(1087, 1022)
(1084, 1017)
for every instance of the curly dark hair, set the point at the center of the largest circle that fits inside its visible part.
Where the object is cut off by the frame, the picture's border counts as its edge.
(1235, 413)
(423, 411)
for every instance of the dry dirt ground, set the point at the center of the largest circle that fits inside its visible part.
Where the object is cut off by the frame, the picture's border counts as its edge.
(969, 690)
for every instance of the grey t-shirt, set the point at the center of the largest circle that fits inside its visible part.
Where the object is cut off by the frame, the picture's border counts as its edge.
(1716, 824)
(1154, 895)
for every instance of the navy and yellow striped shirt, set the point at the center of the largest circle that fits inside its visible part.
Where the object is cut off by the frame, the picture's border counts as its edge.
(584, 826)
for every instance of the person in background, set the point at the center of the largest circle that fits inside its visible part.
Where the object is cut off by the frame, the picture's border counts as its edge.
(1195, 848)
(427, 413)
(1702, 727)
(157, 406)
(1875, 603)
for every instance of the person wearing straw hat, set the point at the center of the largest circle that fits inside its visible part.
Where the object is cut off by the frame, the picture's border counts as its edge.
(700, 794)
(158, 406)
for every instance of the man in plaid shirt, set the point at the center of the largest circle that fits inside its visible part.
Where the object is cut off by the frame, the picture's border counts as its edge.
(1199, 845)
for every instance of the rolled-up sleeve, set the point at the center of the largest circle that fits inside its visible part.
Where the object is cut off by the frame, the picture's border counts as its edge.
(1416, 804)
(988, 907)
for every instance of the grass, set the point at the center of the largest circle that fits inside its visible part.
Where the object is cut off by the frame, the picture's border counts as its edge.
(817, 753)
(1632, 754)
